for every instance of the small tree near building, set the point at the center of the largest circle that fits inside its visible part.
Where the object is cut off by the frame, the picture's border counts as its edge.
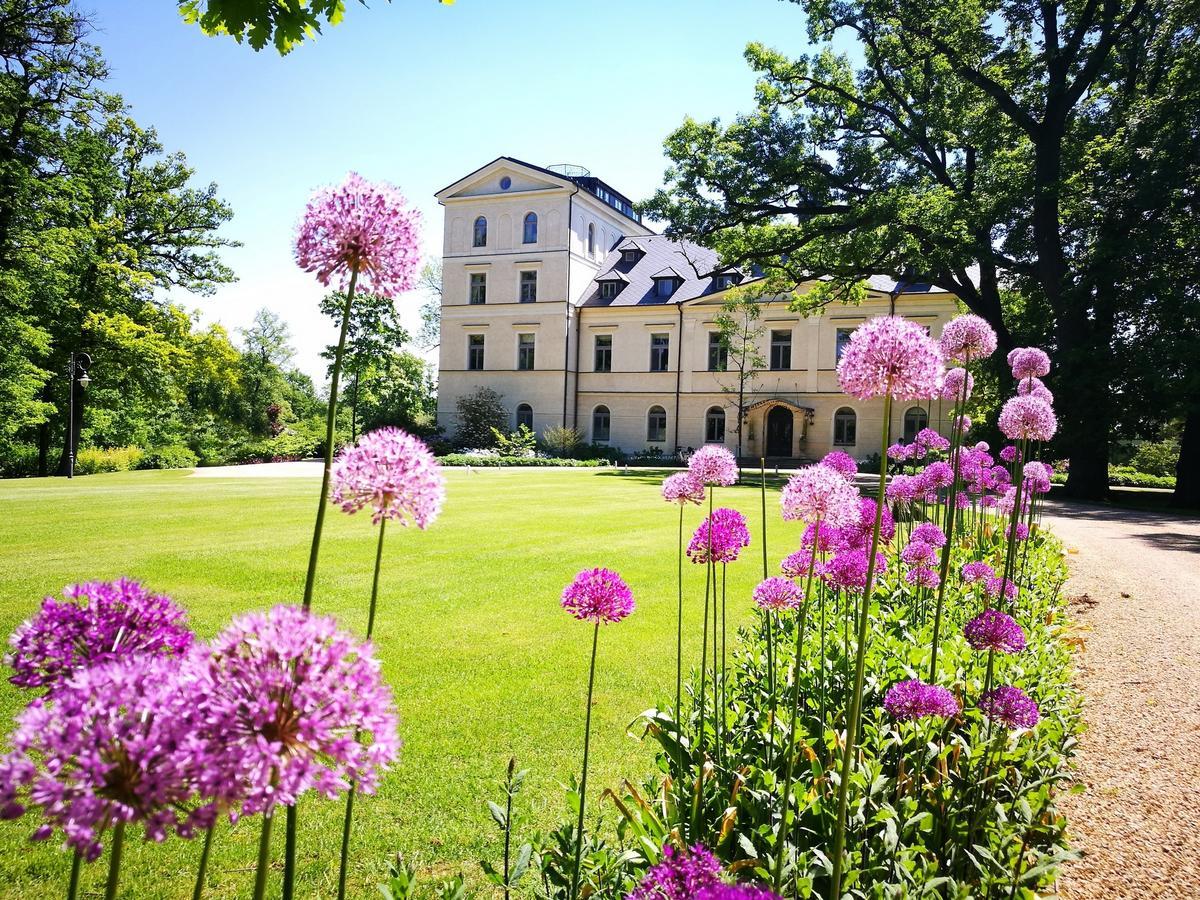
(479, 413)
(740, 331)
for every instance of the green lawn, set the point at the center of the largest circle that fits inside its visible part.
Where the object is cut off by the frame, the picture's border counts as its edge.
(483, 662)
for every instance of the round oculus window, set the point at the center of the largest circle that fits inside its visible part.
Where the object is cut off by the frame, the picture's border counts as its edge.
(505, 183)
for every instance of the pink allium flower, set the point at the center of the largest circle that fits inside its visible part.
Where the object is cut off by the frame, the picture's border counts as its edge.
(598, 595)
(907, 701)
(922, 576)
(937, 475)
(952, 385)
(929, 440)
(1033, 387)
(1022, 531)
(681, 875)
(962, 423)
(93, 623)
(890, 355)
(729, 535)
(848, 569)
(917, 552)
(967, 338)
(819, 493)
(120, 741)
(796, 564)
(683, 488)
(982, 446)
(826, 536)
(930, 533)
(1009, 453)
(901, 452)
(902, 489)
(994, 630)
(842, 463)
(858, 534)
(288, 693)
(977, 571)
(1028, 362)
(991, 587)
(1036, 476)
(734, 892)
(364, 226)
(777, 593)
(392, 472)
(1029, 418)
(713, 464)
(1010, 706)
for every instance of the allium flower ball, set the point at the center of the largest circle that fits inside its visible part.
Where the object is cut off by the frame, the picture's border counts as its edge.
(1010, 706)
(858, 535)
(901, 452)
(713, 464)
(121, 741)
(780, 594)
(288, 692)
(1009, 453)
(992, 587)
(952, 386)
(902, 489)
(1036, 476)
(907, 701)
(922, 576)
(819, 493)
(826, 536)
(977, 571)
(938, 475)
(1033, 387)
(735, 892)
(962, 423)
(967, 338)
(681, 875)
(93, 623)
(392, 472)
(1028, 418)
(890, 355)
(683, 488)
(842, 463)
(848, 569)
(917, 553)
(929, 440)
(598, 595)
(994, 630)
(796, 565)
(929, 533)
(724, 533)
(1028, 362)
(363, 226)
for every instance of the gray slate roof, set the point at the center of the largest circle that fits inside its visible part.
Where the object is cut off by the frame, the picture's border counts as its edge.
(696, 265)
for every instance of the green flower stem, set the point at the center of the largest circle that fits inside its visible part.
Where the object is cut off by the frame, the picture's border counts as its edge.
(789, 768)
(73, 883)
(762, 467)
(202, 868)
(724, 707)
(114, 861)
(679, 628)
(1011, 552)
(264, 858)
(839, 834)
(769, 616)
(587, 737)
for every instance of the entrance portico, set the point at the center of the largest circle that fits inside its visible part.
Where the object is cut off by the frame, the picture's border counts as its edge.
(777, 428)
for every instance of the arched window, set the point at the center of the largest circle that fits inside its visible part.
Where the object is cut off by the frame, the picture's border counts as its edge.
(530, 228)
(845, 427)
(591, 240)
(714, 426)
(914, 420)
(656, 424)
(600, 424)
(480, 232)
(525, 416)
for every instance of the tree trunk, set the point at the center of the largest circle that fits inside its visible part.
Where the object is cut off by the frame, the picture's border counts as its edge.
(1187, 470)
(1084, 402)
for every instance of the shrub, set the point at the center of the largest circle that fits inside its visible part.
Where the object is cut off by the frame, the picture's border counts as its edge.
(1156, 458)
(562, 442)
(494, 459)
(479, 414)
(95, 460)
(175, 456)
(19, 460)
(521, 442)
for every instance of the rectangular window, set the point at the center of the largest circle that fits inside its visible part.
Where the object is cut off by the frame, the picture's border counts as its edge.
(603, 359)
(630, 256)
(718, 353)
(475, 352)
(660, 352)
(781, 350)
(664, 287)
(843, 341)
(656, 425)
(525, 343)
(609, 289)
(528, 287)
(478, 287)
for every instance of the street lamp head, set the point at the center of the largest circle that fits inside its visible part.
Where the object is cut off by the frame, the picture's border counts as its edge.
(84, 381)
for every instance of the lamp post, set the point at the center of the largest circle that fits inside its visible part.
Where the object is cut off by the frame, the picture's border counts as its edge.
(76, 372)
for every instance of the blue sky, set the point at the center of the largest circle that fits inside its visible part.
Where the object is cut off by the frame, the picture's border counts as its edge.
(421, 94)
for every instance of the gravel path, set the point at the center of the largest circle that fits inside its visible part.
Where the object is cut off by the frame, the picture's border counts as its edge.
(1135, 589)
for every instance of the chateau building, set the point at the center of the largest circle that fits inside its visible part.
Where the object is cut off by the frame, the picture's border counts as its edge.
(556, 296)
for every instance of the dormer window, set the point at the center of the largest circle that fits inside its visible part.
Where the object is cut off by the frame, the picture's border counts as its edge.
(629, 256)
(610, 289)
(665, 287)
(722, 282)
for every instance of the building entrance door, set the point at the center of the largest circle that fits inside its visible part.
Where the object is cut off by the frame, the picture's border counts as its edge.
(779, 431)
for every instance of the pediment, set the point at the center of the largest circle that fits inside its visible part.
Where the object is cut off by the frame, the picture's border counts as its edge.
(503, 176)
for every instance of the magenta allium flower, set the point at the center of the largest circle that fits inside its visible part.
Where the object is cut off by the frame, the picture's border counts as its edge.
(1027, 418)
(1022, 531)
(962, 423)
(930, 533)
(361, 226)
(1036, 476)
(938, 475)
(826, 536)
(907, 701)
(1009, 453)
(392, 472)
(735, 892)
(1033, 387)
(598, 595)
(977, 571)
(900, 452)
(288, 693)
(929, 440)
(681, 875)
(777, 593)
(917, 553)
(93, 623)
(842, 463)
(994, 630)
(858, 534)
(120, 741)
(848, 569)
(729, 535)
(1028, 362)
(902, 489)
(1010, 706)
(713, 464)
(819, 493)
(967, 337)
(991, 587)
(922, 576)
(683, 488)
(890, 355)
(952, 385)
(795, 565)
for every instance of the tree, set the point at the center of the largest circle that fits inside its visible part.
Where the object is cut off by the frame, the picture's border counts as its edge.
(267, 350)
(955, 148)
(478, 414)
(740, 330)
(430, 335)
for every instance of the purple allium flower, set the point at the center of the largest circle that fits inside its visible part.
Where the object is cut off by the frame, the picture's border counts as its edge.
(858, 534)
(952, 385)
(683, 488)
(713, 464)
(977, 571)
(907, 701)
(1029, 418)
(917, 552)
(681, 875)
(848, 569)
(1022, 531)
(1033, 387)
(795, 565)
(902, 489)
(392, 472)
(120, 741)
(1010, 706)
(361, 226)
(929, 440)
(819, 493)
(734, 892)
(922, 576)
(288, 693)
(1028, 362)
(930, 533)
(890, 355)
(842, 463)
(962, 423)
(1009, 453)
(777, 593)
(729, 536)
(966, 338)
(991, 587)
(94, 622)
(994, 630)
(598, 595)
(826, 536)
(1036, 476)
(938, 475)
(900, 452)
